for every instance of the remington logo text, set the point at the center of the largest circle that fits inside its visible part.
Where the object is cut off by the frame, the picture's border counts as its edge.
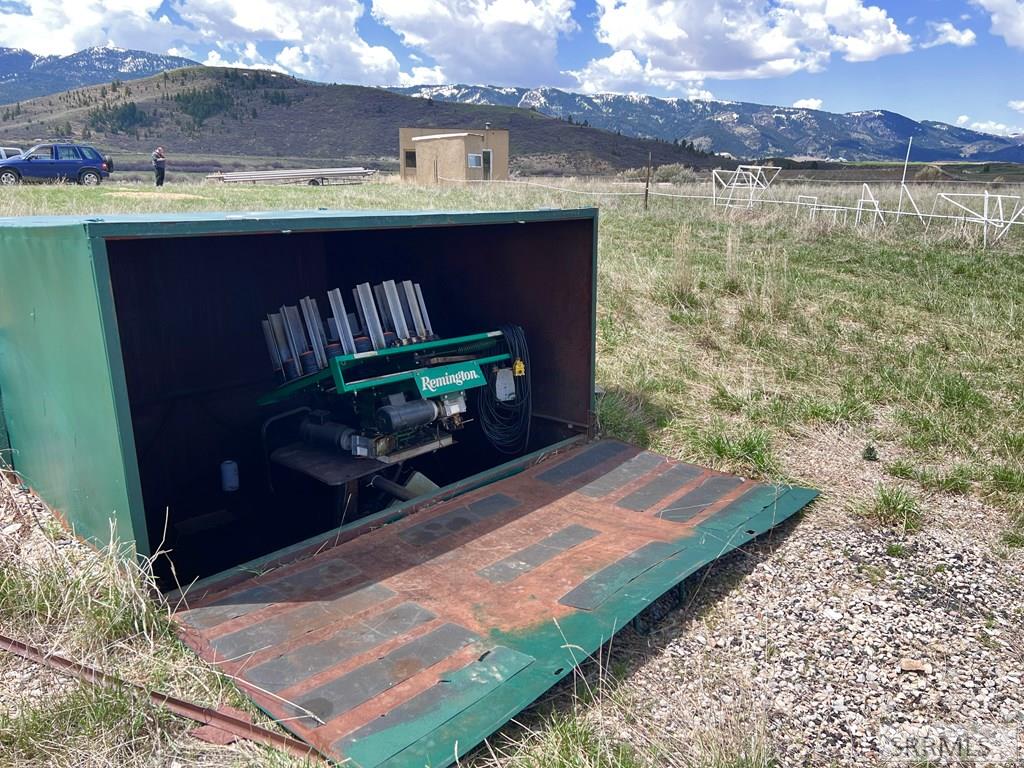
(458, 378)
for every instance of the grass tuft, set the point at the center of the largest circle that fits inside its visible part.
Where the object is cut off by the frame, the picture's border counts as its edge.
(896, 550)
(895, 507)
(119, 723)
(746, 451)
(571, 740)
(85, 599)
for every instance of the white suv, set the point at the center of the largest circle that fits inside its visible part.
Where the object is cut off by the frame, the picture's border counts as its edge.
(8, 152)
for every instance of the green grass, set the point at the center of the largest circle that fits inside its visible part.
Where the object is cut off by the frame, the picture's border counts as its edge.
(745, 451)
(116, 722)
(722, 338)
(568, 740)
(571, 737)
(896, 550)
(95, 598)
(96, 607)
(958, 479)
(895, 507)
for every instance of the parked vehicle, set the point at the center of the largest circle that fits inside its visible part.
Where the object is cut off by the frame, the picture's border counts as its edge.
(8, 152)
(63, 161)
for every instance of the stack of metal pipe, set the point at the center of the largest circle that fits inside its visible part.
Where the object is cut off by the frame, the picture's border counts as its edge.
(389, 314)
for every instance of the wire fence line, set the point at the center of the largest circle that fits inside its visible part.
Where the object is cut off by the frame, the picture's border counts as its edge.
(521, 182)
(1014, 222)
(969, 182)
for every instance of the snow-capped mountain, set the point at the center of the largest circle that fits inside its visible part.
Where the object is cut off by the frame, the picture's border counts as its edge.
(23, 75)
(744, 129)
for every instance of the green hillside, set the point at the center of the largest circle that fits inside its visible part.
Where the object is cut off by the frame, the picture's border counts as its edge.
(202, 110)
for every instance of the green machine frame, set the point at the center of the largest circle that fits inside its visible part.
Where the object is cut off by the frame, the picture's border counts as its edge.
(342, 364)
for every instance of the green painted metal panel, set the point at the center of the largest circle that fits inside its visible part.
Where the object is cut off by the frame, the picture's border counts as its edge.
(5, 440)
(557, 647)
(214, 223)
(529, 631)
(60, 402)
(420, 718)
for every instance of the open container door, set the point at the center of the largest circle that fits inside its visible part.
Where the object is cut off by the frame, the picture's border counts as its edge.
(411, 643)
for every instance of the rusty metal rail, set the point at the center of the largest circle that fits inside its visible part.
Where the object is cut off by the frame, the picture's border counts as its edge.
(186, 709)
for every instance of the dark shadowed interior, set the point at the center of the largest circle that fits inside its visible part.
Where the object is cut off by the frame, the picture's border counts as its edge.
(195, 360)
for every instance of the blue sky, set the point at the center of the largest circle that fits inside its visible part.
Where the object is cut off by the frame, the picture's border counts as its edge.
(959, 61)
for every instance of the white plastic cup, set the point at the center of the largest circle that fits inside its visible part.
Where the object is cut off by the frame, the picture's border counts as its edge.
(229, 476)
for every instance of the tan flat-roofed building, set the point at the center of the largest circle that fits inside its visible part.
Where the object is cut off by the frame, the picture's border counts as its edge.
(436, 155)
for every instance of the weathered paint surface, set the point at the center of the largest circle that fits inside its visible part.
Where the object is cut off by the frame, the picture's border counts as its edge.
(430, 633)
(63, 420)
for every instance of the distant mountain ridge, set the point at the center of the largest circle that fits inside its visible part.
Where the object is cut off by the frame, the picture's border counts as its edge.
(740, 129)
(23, 75)
(744, 129)
(226, 111)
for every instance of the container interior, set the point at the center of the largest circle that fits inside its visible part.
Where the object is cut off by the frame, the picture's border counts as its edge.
(196, 363)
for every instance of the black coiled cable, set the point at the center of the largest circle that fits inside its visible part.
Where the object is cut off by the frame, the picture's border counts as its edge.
(507, 425)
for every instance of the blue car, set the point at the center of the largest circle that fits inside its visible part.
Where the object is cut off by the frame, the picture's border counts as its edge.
(79, 163)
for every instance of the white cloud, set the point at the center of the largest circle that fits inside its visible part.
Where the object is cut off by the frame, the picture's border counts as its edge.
(989, 126)
(1007, 19)
(808, 103)
(423, 76)
(321, 39)
(622, 72)
(696, 90)
(238, 56)
(1017, 105)
(56, 27)
(183, 51)
(506, 42)
(617, 73)
(999, 129)
(674, 44)
(316, 39)
(944, 33)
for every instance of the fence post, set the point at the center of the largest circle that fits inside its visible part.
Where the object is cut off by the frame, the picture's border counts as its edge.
(647, 184)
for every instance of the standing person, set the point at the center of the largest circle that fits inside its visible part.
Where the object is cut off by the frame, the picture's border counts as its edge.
(159, 164)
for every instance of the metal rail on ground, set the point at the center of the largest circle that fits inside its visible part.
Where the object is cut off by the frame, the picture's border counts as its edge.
(186, 709)
(314, 177)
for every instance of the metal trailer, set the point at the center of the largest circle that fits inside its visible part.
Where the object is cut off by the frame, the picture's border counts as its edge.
(132, 360)
(314, 177)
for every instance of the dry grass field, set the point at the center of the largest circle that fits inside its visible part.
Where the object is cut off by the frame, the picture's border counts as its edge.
(883, 366)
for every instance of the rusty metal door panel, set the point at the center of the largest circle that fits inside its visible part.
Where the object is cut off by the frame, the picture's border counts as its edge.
(424, 636)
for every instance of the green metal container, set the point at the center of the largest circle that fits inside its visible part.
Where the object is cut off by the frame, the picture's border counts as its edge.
(76, 293)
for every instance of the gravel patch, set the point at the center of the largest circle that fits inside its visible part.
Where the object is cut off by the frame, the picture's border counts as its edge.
(829, 630)
(25, 685)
